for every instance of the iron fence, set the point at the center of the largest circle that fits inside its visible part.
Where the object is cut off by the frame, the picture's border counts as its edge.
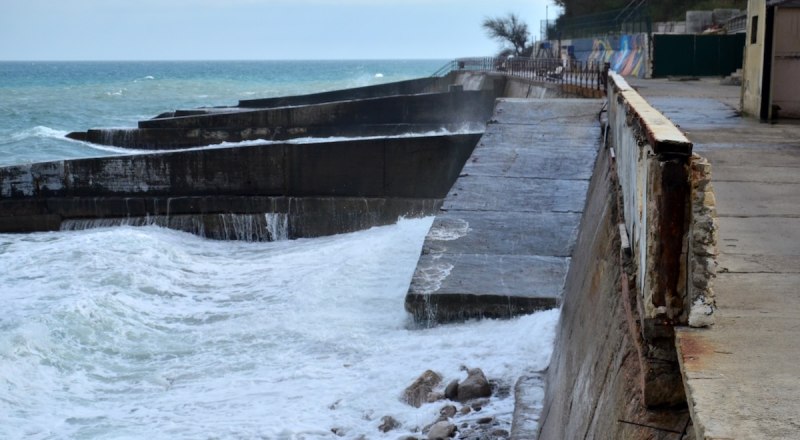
(591, 75)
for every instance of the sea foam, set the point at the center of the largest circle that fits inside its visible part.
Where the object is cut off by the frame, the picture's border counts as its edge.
(147, 332)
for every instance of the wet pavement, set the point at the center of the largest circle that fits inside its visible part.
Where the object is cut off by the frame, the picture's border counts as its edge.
(743, 374)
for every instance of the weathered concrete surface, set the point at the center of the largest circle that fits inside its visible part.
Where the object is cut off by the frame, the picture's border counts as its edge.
(741, 375)
(401, 175)
(594, 384)
(408, 87)
(502, 242)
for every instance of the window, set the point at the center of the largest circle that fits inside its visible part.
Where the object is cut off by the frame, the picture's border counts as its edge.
(754, 30)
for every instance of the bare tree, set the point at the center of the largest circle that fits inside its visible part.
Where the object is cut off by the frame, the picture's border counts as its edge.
(509, 30)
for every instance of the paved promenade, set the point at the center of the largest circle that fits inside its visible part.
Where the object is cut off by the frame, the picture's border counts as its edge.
(743, 374)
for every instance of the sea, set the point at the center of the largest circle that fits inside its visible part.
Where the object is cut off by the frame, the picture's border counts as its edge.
(144, 332)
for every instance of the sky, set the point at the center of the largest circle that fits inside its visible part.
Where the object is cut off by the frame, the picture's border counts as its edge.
(255, 29)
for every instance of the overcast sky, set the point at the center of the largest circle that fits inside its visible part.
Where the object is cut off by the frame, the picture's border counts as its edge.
(254, 29)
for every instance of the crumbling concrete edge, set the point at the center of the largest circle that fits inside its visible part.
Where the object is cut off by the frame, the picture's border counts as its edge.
(662, 134)
(702, 242)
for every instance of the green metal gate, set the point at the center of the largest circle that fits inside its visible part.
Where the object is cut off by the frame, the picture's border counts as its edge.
(697, 55)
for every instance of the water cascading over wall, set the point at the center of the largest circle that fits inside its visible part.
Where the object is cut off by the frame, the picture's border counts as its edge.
(240, 227)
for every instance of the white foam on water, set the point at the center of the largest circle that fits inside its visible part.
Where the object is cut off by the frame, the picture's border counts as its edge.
(37, 132)
(465, 129)
(146, 332)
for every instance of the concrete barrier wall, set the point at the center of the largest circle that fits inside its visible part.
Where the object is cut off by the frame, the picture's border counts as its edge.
(653, 157)
(594, 381)
(364, 117)
(654, 173)
(238, 180)
(408, 87)
(357, 116)
(614, 371)
(424, 108)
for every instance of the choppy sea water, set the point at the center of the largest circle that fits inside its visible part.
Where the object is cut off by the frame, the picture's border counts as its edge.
(144, 332)
(42, 101)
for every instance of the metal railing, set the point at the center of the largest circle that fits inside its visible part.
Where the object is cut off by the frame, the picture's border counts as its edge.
(590, 75)
(737, 24)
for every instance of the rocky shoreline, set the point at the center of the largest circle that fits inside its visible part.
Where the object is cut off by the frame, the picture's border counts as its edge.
(460, 416)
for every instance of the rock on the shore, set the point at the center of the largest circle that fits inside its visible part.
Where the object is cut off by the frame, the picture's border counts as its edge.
(441, 431)
(388, 423)
(451, 391)
(474, 386)
(448, 411)
(417, 393)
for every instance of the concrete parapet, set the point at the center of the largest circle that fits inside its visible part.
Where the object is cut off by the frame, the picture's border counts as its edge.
(653, 165)
(595, 379)
(653, 162)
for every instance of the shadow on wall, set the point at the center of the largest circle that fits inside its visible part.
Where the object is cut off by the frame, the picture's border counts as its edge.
(627, 54)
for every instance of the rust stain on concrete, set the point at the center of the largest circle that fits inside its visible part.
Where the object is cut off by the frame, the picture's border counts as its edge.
(695, 350)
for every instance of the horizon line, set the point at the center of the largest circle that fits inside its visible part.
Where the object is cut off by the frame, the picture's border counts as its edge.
(43, 60)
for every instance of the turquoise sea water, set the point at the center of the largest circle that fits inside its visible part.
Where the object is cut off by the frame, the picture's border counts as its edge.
(131, 333)
(42, 101)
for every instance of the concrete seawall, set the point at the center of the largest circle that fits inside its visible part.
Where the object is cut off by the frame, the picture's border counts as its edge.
(614, 371)
(349, 184)
(594, 381)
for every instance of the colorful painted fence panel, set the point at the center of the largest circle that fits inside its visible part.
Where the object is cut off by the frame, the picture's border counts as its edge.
(627, 54)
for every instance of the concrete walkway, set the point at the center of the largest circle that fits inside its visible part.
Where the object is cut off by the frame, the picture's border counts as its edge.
(743, 374)
(501, 245)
